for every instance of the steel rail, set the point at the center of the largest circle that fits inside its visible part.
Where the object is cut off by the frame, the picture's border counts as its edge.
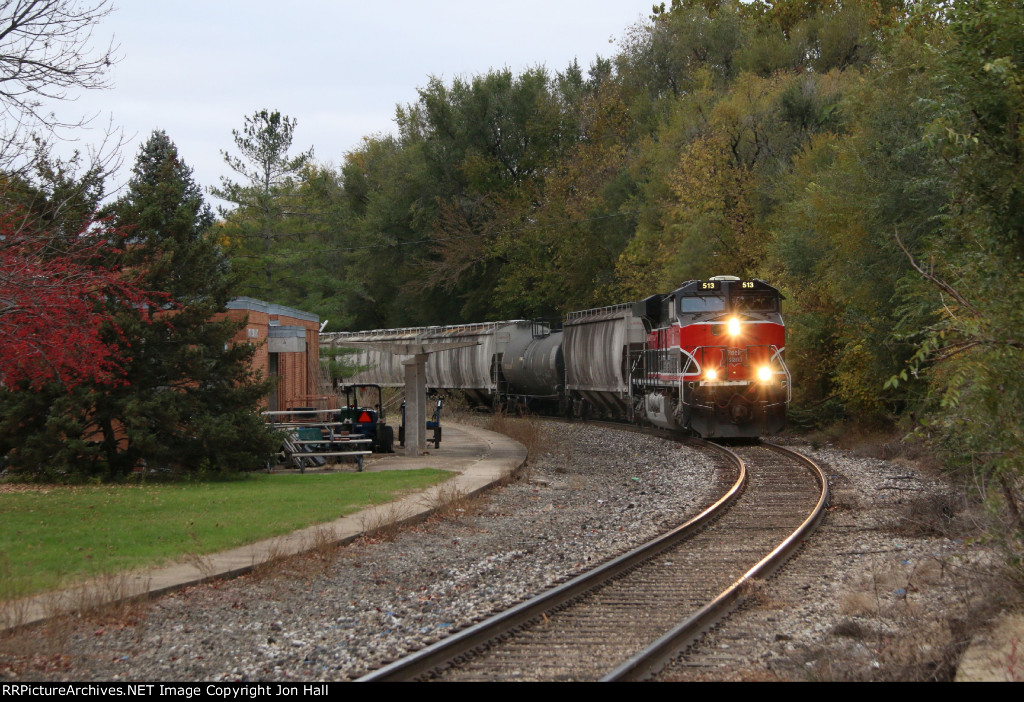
(479, 634)
(654, 657)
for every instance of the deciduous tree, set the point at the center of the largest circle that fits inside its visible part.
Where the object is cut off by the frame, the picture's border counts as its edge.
(46, 55)
(56, 296)
(967, 275)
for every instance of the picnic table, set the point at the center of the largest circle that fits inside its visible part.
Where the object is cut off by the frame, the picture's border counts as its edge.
(311, 436)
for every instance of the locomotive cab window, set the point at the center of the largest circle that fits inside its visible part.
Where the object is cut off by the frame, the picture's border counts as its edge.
(755, 303)
(668, 310)
(698, 305)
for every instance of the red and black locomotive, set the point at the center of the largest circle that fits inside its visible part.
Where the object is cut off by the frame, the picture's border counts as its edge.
(714, 360)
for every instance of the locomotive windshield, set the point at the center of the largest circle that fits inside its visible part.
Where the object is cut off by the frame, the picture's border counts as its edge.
(755, 303)
(697, 305)
(721, 295)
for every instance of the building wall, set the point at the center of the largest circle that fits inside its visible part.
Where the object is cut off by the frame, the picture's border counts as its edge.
(297, 371)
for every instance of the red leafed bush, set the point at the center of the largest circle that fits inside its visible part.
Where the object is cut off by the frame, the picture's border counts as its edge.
(58, 301)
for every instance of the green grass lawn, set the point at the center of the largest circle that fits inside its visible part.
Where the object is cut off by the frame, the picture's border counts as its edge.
(54, 536)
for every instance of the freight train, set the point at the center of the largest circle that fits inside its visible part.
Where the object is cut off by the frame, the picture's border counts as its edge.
(708, 358)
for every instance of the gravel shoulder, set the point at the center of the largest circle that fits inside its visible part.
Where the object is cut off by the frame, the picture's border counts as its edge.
(886, 589)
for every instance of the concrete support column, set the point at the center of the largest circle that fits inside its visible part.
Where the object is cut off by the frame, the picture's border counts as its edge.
(416, 404)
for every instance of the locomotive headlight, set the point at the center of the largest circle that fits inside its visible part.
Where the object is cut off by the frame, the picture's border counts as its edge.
(764, 374)
(711, 374)
(734, 327)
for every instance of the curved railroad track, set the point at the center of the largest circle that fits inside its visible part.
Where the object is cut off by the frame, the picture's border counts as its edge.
(624, 619)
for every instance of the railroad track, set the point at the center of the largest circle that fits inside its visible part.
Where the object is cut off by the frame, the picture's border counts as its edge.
(626, 618)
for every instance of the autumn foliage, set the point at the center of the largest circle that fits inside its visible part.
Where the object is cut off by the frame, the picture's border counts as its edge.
(58, 297)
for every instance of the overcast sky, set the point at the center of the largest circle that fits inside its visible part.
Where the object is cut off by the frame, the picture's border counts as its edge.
(196, 68)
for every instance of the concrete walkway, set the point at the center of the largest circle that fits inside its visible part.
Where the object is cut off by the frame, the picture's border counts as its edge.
(477, 456)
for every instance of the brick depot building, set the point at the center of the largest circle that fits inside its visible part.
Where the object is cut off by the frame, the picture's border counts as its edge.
(287, 348)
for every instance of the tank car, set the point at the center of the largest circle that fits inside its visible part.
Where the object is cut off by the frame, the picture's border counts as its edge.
(532, 370)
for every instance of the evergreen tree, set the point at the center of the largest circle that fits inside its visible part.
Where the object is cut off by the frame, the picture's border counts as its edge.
(264, 233)
(287, 236)
(190, 395)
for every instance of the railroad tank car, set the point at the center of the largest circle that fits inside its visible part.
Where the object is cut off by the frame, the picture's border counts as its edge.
(533, 370)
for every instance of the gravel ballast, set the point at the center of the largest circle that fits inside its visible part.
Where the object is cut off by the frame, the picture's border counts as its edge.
(890, 587)
(335, 614)
(862, 590)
